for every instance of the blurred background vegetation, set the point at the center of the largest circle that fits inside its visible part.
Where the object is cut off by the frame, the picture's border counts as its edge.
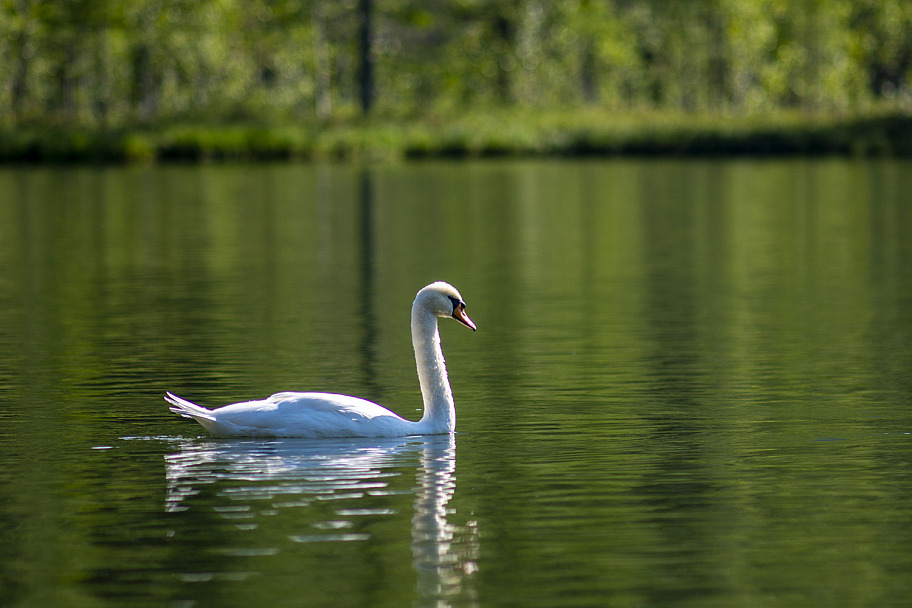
(189, 78)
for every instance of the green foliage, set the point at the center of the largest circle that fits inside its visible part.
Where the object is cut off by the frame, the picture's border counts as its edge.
(111, 64)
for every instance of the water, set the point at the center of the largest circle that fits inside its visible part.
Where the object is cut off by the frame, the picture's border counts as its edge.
(690, 385)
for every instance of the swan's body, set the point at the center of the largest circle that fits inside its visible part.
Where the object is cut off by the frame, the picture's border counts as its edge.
(330, 415)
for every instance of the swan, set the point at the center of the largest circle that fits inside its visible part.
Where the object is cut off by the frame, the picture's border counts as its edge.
(330, 415)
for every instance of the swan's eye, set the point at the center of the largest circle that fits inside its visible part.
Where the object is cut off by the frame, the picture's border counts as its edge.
(456, 303)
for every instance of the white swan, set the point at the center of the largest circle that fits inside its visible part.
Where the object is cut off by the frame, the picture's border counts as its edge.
(329, 415)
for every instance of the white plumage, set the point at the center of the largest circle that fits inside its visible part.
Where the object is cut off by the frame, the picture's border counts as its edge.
(330, 415)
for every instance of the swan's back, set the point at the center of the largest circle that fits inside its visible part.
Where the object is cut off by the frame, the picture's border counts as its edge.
(307, 415)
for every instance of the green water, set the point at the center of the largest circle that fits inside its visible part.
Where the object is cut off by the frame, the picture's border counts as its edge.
(690, 385)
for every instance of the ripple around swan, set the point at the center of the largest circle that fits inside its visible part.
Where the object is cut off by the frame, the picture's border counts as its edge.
(318, 538)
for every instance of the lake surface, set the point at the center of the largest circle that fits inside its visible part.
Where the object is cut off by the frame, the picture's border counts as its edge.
(691, 384)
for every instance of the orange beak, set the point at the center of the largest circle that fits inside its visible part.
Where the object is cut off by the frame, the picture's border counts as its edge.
(460, 315)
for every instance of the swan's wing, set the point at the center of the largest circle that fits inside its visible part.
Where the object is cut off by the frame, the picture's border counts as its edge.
(310, 415)
(329, 403)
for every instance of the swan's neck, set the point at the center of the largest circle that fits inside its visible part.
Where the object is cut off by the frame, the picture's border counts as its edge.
(439, 411)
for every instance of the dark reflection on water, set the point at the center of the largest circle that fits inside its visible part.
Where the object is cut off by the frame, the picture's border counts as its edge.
(690, 384)
(368, 277)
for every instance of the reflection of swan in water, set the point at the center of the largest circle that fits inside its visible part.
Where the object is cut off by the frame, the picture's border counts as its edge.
(294, 468)
(296, 472)
(440, 559)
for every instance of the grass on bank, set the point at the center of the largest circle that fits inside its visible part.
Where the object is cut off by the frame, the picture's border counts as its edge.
(498, 133)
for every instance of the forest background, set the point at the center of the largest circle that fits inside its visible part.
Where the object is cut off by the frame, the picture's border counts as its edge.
(159, 79)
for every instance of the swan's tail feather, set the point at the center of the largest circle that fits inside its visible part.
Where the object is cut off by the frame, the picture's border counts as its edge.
(188, 409)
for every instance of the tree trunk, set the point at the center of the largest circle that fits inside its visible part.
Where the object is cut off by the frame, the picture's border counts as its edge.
(503, 30)
(23, 62)
(101, 101)
(322, 100)
(588, 82)
(65, 102)
(366, 67)
(20, 76)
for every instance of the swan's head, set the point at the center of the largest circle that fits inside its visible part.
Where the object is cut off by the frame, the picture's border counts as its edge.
(442, 300)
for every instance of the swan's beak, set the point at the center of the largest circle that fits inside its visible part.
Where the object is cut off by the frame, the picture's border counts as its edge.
(459, 315)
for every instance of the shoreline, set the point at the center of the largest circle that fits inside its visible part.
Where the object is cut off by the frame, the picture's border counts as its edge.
(499, 133)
